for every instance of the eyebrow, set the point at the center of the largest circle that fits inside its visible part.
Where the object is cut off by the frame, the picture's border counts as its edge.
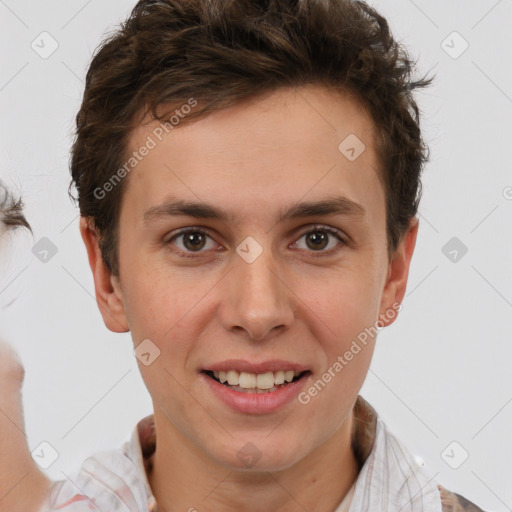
(173, 207)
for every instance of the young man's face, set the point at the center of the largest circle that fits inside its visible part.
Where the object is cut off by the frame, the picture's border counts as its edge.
(303, 300)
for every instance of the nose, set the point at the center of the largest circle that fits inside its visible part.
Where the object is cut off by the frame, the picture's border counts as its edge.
(257, 299)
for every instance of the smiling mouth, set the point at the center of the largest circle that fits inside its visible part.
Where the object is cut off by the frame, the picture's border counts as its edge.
(250, 386)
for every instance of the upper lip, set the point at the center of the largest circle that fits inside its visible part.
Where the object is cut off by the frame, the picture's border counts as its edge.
(242, 365)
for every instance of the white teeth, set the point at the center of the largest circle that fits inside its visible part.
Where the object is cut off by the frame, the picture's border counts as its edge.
(262, 381)
(288, 376)
(279, 377)
(265, 380)
(233, 377)
(247, 380)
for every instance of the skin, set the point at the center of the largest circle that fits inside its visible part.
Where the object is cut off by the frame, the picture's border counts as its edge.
(252, 160)
(23, 485)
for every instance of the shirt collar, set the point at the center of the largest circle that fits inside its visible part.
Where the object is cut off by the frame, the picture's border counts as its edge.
(389, 478)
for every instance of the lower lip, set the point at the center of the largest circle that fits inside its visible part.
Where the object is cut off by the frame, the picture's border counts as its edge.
(256, 403)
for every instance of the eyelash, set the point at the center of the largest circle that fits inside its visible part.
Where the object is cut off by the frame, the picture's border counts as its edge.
(331, 231)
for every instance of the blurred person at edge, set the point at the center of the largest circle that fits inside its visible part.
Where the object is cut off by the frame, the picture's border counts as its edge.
(16, 463)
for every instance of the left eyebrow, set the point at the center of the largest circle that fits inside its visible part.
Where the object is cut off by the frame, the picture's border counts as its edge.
(331, 206)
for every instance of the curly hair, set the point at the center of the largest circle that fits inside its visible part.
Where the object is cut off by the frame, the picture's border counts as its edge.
(222, 52)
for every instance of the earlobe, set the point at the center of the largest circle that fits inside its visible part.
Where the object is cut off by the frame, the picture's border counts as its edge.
(108, 296)
(398, 273)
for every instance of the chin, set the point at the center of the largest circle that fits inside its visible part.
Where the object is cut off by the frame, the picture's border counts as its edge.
(260, 454)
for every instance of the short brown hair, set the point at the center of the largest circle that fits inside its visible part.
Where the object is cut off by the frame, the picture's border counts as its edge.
(221, 52)
(11, 210)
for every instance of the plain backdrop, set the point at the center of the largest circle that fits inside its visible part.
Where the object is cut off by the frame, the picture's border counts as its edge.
(441, 375)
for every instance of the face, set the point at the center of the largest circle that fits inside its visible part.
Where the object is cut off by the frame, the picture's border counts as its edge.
(252, 281)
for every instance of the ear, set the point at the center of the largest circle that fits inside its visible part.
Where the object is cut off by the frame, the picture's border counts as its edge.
(398, 272)
(107, 287)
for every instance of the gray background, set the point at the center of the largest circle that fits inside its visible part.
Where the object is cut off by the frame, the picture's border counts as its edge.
(441, 373)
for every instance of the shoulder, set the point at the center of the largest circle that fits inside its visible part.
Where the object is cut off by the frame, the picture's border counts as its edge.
(391, 478)
(390, 471)
(108, 480)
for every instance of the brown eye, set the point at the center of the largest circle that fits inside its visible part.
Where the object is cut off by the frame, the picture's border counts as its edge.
(194, 240)
(191, 241)
(317, 240)
(320, 238)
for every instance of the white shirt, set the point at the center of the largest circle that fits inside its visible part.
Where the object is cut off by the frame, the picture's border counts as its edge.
(391, 479)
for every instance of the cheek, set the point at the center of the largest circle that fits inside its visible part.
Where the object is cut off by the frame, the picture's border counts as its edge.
(345, 305)
(347, 332)
(344, 312)
(156, 302)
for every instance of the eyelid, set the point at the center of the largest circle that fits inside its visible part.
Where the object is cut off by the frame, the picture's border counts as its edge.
(342, 237)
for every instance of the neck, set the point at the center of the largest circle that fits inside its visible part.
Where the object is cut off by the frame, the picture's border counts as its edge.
(182, 479)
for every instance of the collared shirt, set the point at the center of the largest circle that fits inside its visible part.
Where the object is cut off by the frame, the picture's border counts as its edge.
(390, 478)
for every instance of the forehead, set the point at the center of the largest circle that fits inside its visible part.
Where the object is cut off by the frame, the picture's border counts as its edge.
(265, 152)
